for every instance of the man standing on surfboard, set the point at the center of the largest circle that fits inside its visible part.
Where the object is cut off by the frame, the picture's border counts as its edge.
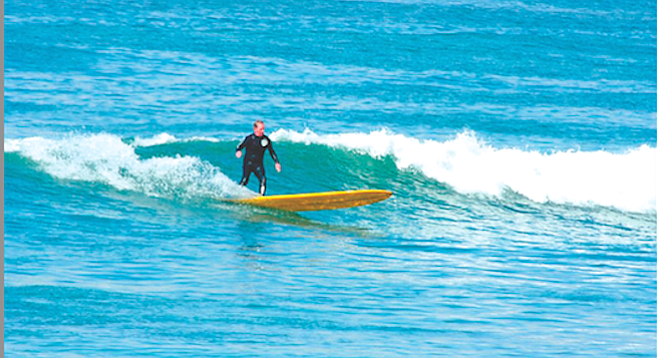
(256, 144)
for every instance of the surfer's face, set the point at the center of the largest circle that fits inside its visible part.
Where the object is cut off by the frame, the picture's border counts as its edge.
(259, 129)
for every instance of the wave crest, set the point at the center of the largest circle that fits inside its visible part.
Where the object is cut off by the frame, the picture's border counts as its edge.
(622, 180)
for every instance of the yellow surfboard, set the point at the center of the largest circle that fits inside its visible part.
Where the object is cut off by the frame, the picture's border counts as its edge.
(318, 201)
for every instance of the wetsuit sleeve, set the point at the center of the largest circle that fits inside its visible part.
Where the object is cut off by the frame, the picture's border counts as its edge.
(241, 146)
(273, 154)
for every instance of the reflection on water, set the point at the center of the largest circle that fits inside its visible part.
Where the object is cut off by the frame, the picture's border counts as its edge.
(252, 214)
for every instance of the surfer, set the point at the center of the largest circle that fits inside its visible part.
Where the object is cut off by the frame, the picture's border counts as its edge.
(256, 144)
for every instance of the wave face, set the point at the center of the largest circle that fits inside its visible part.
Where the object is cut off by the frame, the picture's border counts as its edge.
(468, 164)
(105, 158)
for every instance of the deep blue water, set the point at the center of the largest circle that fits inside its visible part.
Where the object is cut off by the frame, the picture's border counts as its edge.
(519, 139)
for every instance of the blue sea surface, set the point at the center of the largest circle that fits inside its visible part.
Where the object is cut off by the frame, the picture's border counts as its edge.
(519, 138)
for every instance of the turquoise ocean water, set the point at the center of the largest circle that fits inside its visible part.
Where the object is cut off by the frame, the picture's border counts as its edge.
(519, 138)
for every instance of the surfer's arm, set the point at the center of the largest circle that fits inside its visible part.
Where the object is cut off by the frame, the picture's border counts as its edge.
(273, 154)
(238, 150)
(274, 157)
(241, 145)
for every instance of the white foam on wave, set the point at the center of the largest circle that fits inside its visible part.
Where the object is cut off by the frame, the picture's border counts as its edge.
(105, 158)
(166, 138)
(622, 180)
(162, 138)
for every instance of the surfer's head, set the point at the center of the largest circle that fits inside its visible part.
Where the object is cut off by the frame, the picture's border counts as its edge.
(259, 128)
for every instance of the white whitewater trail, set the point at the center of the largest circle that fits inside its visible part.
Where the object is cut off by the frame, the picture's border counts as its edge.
(105, 158)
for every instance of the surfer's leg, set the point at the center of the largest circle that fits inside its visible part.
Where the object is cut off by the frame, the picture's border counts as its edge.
(244, 181)
(260, 174)
(246, 173)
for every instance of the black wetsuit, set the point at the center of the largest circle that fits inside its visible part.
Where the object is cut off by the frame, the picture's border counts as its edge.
(255, 152)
